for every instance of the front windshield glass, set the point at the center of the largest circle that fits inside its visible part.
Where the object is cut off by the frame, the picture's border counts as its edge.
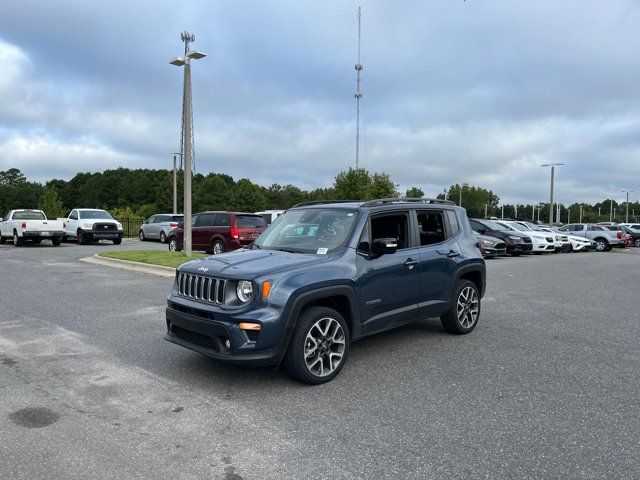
(95, 215)
(506, 227)
(308, 230)
(493, 225)
(517, 226)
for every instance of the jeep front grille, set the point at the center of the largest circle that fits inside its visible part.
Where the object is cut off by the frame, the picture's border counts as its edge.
(201, 288)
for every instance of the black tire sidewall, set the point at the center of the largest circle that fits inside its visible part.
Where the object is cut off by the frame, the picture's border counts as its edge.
(450, 320)
(294, 358)
(213, 246)
(163, 237)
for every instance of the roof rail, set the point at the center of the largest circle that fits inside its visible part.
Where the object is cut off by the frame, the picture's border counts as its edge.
(321, 202)
(383, 201)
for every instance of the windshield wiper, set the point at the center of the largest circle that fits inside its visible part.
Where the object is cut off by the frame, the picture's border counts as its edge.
(288, 250)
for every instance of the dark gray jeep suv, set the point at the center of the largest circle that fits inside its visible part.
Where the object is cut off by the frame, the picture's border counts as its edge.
(324, 275)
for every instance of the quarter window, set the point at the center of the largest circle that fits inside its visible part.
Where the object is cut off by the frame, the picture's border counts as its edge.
(221, 220)
(453, 222)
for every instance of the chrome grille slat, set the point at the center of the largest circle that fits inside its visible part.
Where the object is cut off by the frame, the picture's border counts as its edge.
(199, 287)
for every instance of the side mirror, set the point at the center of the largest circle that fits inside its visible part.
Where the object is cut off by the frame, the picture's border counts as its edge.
(383, 246)
(482, 231)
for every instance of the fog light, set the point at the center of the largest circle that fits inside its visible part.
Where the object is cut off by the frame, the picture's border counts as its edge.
(227, 344)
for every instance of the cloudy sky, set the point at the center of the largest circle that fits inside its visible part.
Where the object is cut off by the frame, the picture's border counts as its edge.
(482, 91)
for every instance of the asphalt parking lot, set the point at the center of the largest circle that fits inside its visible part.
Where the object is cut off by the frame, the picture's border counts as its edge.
(545, 387)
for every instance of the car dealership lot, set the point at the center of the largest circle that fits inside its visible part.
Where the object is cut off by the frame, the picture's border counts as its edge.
(546, 386)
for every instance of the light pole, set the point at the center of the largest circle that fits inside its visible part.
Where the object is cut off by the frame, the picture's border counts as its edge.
(187, 131)
(538, 214)
(580, 214)
(553, 167)
(175, 184)
(533, 212)
(486, 206)
(516, 211)
(627, 214)
(460, 193)
(502, 211)
(568, 215)
(599, 213)
(611, 211)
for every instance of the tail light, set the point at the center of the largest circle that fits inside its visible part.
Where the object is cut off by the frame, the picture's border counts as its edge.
(64, 224)
(619, 235)
(479, 245)
(234, 232)
(173, 224)
(24, 224)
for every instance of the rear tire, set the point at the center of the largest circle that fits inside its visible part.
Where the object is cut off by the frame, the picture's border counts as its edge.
(117, 241)
(636, 242)
(82, 240)
(217, 247)
(17, 241)
(464, 313)
(173, 245)
(163, 237)
(2, 240)
(56, 241)
(319, 346)
(602, 245)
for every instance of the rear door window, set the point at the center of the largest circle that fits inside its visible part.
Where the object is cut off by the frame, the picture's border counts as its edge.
(250, 221)
(431, 227)
(205, 220)
(222, 220)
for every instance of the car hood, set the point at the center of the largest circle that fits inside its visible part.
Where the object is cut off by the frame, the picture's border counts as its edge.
(249, 264)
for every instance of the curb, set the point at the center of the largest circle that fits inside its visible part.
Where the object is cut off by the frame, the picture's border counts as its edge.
(160, 270)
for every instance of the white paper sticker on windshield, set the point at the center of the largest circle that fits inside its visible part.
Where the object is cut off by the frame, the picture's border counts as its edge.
(322, 251)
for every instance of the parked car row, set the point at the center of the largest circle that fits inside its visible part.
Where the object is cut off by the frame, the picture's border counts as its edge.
(84, 224)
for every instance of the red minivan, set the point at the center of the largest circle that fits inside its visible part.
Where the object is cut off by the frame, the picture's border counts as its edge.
(218, 232)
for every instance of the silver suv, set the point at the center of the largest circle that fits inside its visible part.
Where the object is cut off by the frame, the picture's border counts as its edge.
(157, 227)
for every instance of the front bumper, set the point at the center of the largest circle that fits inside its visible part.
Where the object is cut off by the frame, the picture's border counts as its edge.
(488, 252)
(207, 333)
(103, 235)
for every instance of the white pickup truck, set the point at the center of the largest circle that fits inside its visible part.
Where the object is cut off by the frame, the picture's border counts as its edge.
(22, 224)
(92, 225)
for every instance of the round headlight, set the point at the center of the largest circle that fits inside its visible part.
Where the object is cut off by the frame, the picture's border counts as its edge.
(244, 290)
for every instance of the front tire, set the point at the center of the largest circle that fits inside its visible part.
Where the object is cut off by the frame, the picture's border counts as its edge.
(141, 236)
(56, 241)
(464, 313)
(82, 239)
(319, 346)
(636, 242)
(117, 241)
(2, 240)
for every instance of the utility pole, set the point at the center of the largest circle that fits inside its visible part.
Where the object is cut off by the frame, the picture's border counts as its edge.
(187, 131)
(552, 165)
(627, 202)
(358, 94)
(175, 182)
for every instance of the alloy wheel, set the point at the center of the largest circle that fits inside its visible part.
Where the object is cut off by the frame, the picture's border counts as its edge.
(163, 238)
(173, 245)
(324, 347)
(218, 248)
(637, 242)
(141, 236)
(600, 246)
(468, 307)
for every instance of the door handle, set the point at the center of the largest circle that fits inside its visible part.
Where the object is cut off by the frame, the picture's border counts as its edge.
(449, 254)
(410, 263)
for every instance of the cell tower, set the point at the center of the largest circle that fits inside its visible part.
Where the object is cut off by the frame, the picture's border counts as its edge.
(187, 38)
(358, 94)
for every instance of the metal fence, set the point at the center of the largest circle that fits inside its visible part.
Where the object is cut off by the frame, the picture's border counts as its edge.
(130, 226)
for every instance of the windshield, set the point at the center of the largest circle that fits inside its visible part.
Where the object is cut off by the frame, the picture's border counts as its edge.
(506, 227)
(95, 214)
(493, 225)
(517, 226)
(308, 230)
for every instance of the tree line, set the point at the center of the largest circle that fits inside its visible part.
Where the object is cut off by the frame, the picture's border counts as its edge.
(139, 193)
